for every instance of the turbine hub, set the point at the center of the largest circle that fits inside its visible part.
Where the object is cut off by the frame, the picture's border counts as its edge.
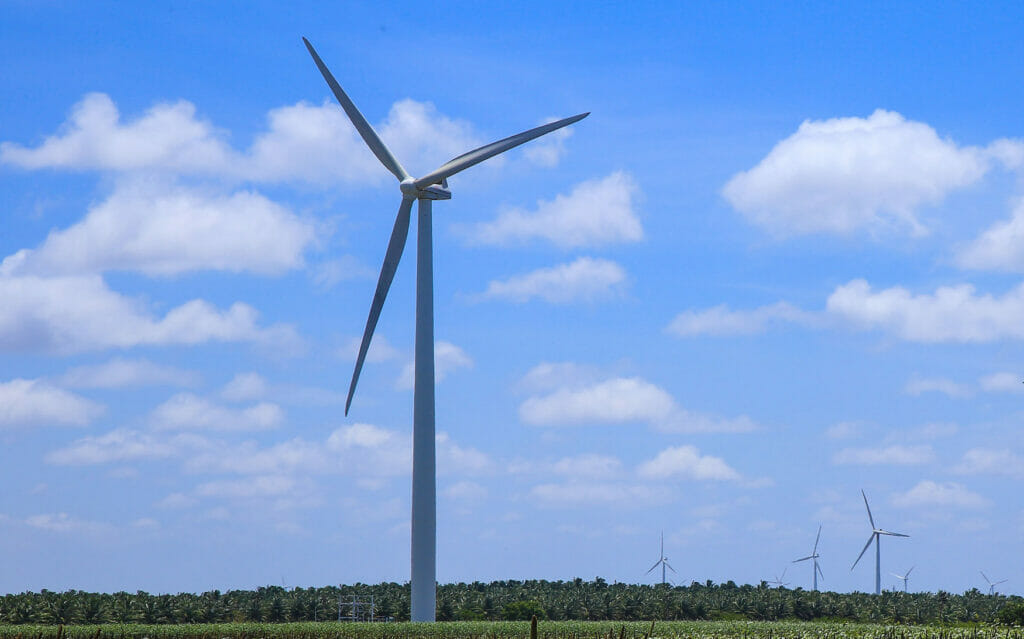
(432, 192)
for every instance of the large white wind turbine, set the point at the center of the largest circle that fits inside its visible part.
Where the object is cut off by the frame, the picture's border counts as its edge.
(876, 536)
(814, 556)
(663, 562)
(992, 584)
(903, 577)
(426, 189)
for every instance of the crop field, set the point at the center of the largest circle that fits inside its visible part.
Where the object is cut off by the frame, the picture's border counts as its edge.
(513, 630)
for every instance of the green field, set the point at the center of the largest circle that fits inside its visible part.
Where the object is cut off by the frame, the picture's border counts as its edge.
(514, 629)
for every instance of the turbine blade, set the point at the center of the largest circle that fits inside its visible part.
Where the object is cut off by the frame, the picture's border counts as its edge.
(476, 156)
(815, 551)
(669, 566)
(891, 534)
(362, 126)
(818, 568)
(870, 539)
(986, 578)
(1000, 582)
(911, 570)
(870, 518)
(803, 559)
(656, 564)
(387, 273)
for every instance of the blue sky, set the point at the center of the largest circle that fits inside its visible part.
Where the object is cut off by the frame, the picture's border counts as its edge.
(779, 263)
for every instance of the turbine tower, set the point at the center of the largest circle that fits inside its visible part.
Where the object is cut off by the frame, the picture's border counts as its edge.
(663, 562)
(426, 189)
(814, 556)
(876, 536)
(992, 584)
(904, 577)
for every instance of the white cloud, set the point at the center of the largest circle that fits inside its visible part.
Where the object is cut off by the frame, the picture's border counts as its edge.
(586, 279)
(186, 411)
(843, 430)
(549, 375)
(999, 248)
(245, 387)
(896, 455)
(844, 174)
(264, 486)
(584, 493)
(303, 142)
(65, 523)
(293, 456)
(380, 350)
(73, 314)
(951, 314)
(32, 402)
(465, 491)
(929, 494)
(454, 459)
(448, 358)
(548, 150)
(596, 212)
(623, 400)
(719, 320)
(918, 385)
(122, 373)
(122, 445)
(989, 461)
(162, 230)
(686, 462)
(588, 465)
(168, 136)
(1002, 383)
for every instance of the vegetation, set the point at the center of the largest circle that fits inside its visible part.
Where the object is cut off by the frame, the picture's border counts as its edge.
(508, 600)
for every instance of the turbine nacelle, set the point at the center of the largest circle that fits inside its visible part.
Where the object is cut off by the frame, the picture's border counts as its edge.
(432, 192)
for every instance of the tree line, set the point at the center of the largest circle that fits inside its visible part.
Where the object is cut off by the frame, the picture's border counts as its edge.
(595, 600)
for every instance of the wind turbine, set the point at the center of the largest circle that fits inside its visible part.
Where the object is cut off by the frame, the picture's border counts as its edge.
(876, 536)
(814, 555)
(663, 562)
(426, 189)
(992, 584)
(904, 577)
(779, 579)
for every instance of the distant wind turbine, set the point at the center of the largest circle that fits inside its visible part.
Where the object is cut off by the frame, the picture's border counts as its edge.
(814, 556)
(779, 579)
(876, 536)
(663, 562)
(992, 584)
(903, 577)
(426, 189)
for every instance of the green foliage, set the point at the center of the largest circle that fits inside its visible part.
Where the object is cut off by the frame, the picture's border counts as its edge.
(522, 611)
(1012, 614)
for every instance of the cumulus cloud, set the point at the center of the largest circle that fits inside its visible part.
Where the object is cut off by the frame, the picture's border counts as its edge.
(33, 402)
(844, 430)
(158, 229)
(844, 174)
(951, 314)
(720, 320)
(548, 150)
(448, 358)
(588, 465)
(186, 411)
(917, 385)
(122, 373)
(928, 493)
(991, 461)
(1002, 382)
(123, 445)
(895, 455)
(623, 400)
(686, 462)
(601, 493)
(584, 280)
(65, 523)
(75, 313)
(999, 248)
(244, 387)
(596, 213)
(302, 142)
